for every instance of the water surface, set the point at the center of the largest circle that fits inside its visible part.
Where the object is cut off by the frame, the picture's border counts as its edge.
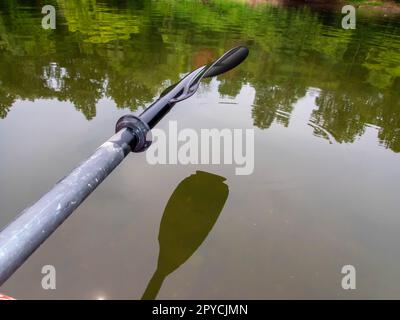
(324, 103)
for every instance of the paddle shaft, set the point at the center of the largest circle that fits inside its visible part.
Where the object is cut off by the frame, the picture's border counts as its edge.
(36, 223)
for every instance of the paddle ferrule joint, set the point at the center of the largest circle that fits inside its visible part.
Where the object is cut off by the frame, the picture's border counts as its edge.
(139, 128)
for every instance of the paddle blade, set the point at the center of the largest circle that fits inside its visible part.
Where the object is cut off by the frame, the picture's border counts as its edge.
(228, 61)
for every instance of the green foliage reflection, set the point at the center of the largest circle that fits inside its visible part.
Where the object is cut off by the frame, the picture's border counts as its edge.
(130, 50)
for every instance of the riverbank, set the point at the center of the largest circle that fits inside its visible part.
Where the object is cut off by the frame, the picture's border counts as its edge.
(384, 7)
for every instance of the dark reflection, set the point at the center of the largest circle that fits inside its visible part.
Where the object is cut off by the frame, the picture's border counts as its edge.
(188, 218)
(129, 51)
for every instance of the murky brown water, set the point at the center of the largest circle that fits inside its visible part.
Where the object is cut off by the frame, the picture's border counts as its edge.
(324, 103)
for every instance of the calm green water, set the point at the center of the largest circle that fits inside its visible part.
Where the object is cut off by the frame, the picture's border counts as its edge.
(324, 103)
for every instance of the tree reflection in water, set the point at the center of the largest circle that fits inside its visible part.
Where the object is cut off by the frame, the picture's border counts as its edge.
(129, 51)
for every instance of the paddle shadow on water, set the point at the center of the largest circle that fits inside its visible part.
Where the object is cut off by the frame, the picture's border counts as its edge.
(188, 218)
